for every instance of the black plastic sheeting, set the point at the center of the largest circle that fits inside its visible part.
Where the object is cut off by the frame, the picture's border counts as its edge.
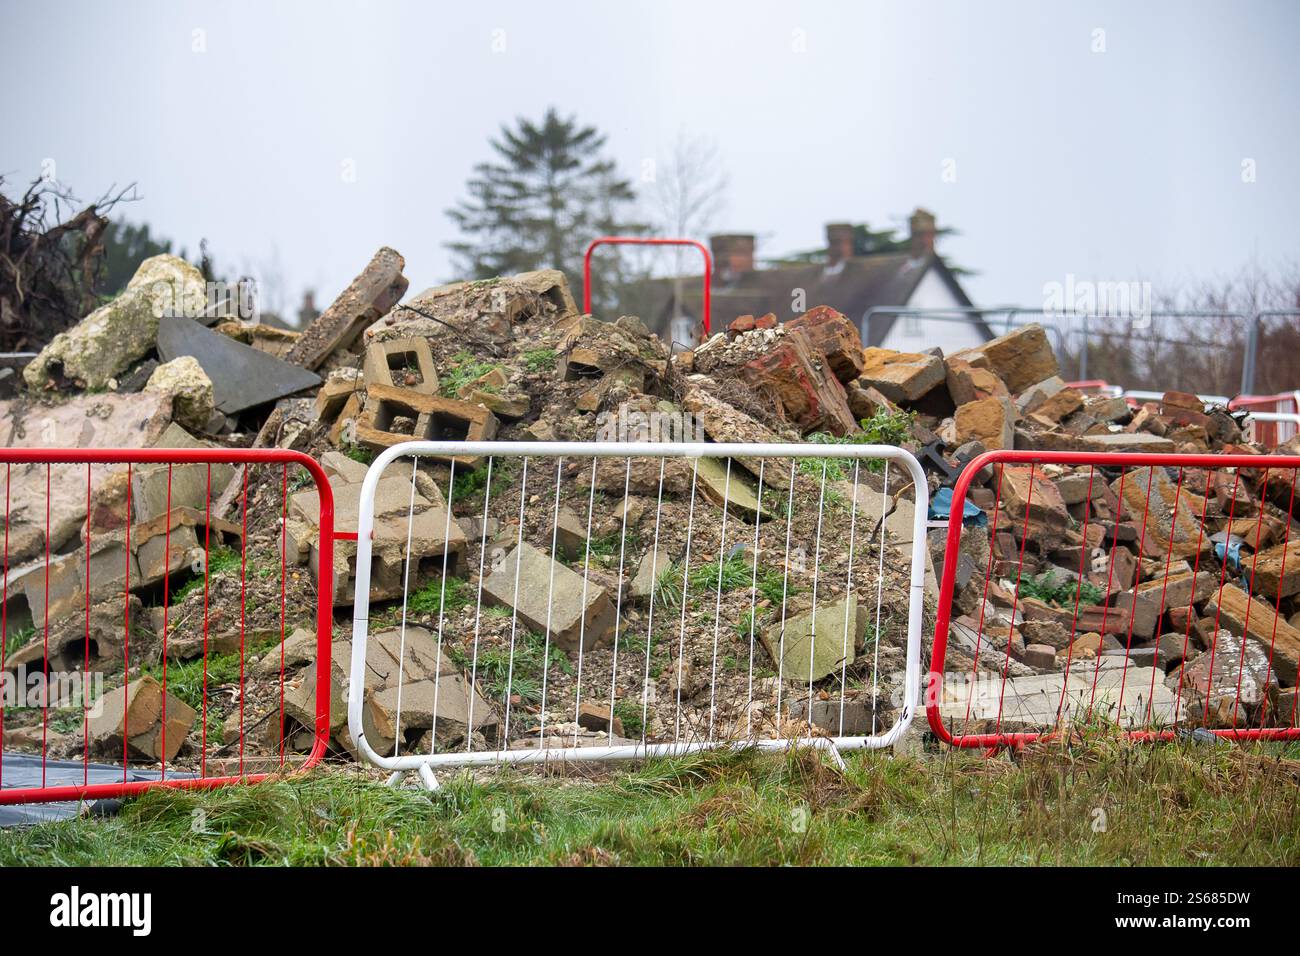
(24, 770)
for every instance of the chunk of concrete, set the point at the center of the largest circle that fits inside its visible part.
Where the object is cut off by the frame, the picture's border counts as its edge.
(401, 363)
(901, 376)
(572, 620)
(85, 421)
(430, 418)
(378, 288)
(190, 388)
(809, 647)
(106, 342)
(135, 712)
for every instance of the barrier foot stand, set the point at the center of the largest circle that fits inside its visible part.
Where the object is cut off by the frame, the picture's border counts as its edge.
(427, 777)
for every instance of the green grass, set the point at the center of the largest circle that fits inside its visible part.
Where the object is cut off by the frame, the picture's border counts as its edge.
(471, 485)
(737, 575)
(454, 597)
(1102, 803)
(358, 453)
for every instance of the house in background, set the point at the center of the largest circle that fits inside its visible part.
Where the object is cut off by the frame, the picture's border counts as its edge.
(851, 284)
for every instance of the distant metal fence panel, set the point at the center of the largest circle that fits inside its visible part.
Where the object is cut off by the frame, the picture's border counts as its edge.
(636, 599)
(95, 681)
(1153, 537)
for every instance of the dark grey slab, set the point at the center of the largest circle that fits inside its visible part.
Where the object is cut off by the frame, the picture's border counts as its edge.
(242, 377)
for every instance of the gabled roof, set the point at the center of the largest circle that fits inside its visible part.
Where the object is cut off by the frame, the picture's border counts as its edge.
(853, 287)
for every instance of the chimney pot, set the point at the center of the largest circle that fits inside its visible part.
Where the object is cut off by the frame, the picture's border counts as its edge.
(733, 254)
(839, 242)
(923, 230)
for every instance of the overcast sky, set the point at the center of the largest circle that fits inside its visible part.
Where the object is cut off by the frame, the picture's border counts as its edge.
(1117, 165)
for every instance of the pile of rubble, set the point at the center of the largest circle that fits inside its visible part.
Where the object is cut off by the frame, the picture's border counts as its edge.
(580, 601)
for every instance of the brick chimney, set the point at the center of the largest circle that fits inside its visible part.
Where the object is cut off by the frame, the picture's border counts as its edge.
(839, 243)
(733, 254)
(922, 226)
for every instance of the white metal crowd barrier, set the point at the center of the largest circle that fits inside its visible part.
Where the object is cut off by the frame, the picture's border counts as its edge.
(786, 532)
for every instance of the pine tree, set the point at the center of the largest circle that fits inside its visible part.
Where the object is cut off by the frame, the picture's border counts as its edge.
(550, 192)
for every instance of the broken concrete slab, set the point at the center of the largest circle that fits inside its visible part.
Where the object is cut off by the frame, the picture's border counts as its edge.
(484, 309)
(901, 376)
(1231, 607)
(1123, 441)
(1210, 682)
(652, 564)
(190, 486)
(810, 646)
(400, 517)
(445, 704)
(1034, 701)
(1020, 358)
(723, 422)
(527, 578)
(86, 421)
(135, 712)
(731, 486)
(242, 377)
(378, 288)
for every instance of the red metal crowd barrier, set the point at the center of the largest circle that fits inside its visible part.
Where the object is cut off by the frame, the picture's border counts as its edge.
(650, 241)
(152, 537)
(1166, 612)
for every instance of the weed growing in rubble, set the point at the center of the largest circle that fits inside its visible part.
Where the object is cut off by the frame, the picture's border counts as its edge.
(185, 679)
(221, 560)
(19, 637)
(737, 574)
(628, 711)
(497, 676)
(358, 453)
(882, 428)
(539, 360)
(452, 597)
(470, 486)
(1043, 588)
(465, 368)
